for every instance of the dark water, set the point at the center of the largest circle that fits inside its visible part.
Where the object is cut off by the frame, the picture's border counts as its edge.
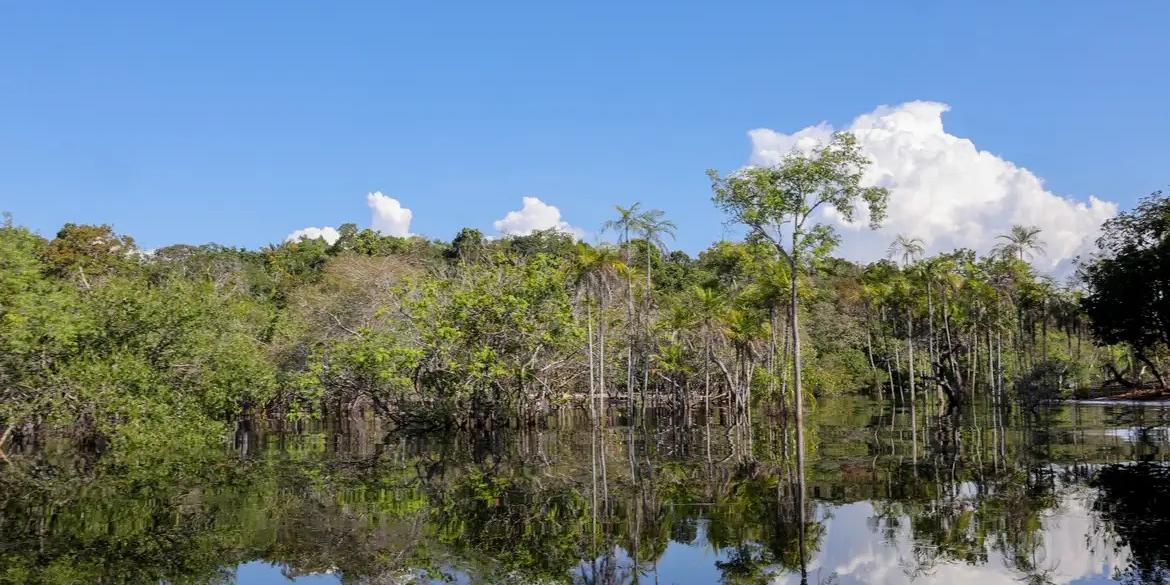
(1072, 494)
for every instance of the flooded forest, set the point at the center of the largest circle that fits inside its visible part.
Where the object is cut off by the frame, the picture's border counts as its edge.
(539, 409)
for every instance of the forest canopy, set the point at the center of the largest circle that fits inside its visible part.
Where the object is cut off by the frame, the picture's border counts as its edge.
(105, 343)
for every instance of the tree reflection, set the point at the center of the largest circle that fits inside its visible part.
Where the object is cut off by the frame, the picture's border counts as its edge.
(1132, 503)
(577, 502)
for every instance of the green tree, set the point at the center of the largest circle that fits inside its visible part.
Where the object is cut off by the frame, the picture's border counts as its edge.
(770, 200)
(1021, 242)
(907, 249)
(469, 245)
(910, 251)
(594, 272)
(85, 251)
(1128, 282)
(654, 229)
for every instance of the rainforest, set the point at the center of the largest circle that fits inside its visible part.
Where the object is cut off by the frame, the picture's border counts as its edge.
(382, 409)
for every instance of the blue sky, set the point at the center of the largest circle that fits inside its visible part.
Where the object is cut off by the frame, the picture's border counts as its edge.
(240, 122)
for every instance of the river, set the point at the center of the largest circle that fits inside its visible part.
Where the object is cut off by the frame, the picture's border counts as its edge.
(1076, 493)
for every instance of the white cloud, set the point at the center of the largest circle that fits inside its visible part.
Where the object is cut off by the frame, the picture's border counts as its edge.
(1071, 548)
(389, 216)
(327, 233)
(535, 215)
(944, 189)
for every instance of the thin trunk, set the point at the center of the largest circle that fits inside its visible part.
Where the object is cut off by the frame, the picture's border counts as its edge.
(601, 352)
(950, 347)
(930, 323)
(869, 352)
(630, 369)
(707, 374)
(990, 361)
(772, 350)
(890, 373)
(910, 350)
(592, 374)
(999, 369)
(796, 387)
(646, 325)
(784, 353)
(897, 361)
(629, 325)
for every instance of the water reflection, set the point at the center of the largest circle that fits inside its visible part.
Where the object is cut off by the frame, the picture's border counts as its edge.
(1064, 495)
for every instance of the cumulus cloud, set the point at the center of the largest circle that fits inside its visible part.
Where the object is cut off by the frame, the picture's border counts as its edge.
(945, 190)
(389, 216)
(535, 215)
(1071, 548)
(326, 233)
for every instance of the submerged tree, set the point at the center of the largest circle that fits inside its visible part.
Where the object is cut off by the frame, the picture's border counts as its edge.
(773, 200)
(1128, 284)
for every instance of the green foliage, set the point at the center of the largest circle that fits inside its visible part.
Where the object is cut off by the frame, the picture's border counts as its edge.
(122, 358)
(97, 337)
(551, 242)
(469, 245)
(88, 251)
(40, 324)
(1048, 380)
(460, 347)
(1128, 296)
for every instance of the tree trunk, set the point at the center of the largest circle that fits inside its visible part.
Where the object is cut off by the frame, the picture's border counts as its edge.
(629, 325)
(930, 322)
(601, 351)
(897, 358)
(706, 374)
(910, 350)
(797, 390)
(772, 350)
(1153, 368)
(592, 374)
(869, 351)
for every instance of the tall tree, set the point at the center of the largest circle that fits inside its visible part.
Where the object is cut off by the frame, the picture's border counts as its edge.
(907, 249)
(1022, 242)
(709, 307)
(595, 269)
(654, 229)
(653, 226)
(627, 221)
(770, 200)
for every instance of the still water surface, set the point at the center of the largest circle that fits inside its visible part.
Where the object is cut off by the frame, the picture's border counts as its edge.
(1069, 494)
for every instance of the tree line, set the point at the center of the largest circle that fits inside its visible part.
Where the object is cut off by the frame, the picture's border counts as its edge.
(106, 343)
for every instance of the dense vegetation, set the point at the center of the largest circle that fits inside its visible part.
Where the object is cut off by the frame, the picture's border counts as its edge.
(582, 503)
(106, 343)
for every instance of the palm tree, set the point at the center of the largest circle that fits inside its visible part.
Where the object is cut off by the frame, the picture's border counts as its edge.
(1021, 241)
(771, 289)
(710, 307)
(908, 248)
(653, 227)
(627, 220)
(742, 329)
(595, 270)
